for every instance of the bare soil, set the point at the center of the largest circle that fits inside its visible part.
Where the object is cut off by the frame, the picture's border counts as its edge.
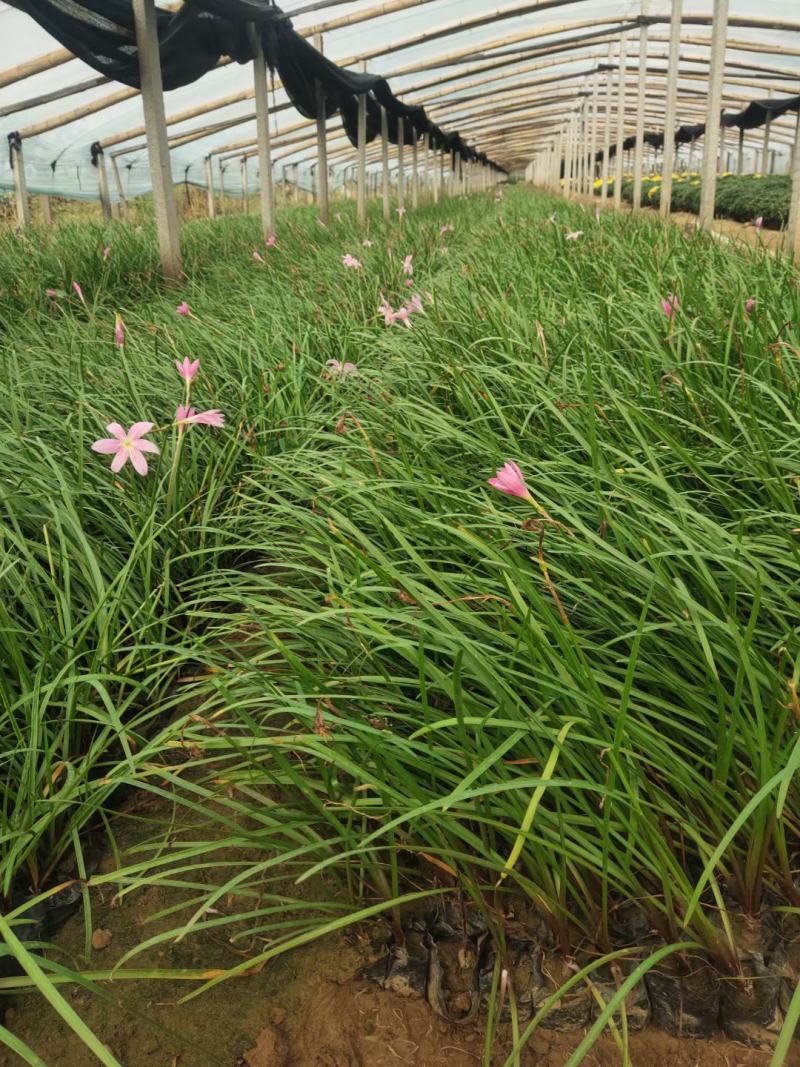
(310, 1008)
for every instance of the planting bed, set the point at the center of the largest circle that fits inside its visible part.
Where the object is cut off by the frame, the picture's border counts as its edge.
(312, 691)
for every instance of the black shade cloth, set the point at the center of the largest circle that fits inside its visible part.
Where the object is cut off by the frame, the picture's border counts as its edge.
(193, 40)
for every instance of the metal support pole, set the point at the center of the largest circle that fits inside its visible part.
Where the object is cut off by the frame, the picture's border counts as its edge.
(166, 211)
(708, 182)
(266, 183)
(641, 93)
(385, 161)
(620, 160)
(668, 159)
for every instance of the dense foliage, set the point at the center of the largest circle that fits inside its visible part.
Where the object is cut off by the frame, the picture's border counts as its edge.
(375, 665)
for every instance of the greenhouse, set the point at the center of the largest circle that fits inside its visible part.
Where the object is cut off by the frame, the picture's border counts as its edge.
(400, 533)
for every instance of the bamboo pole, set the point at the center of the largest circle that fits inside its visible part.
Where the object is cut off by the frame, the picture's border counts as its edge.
(20, 182)
(102, 182)
(401, 170)
(322, 145)
(765, 145)
(668, 162)
(708, 181)
(638, 157)
(245, 187)
(47, 210)
(56, 94)
(55, 123)
(385, 161)
(212, 206)
(620, 157)
(414, 172)
(47, 62)
(426, 164)
(593, 134)
(266, 184)
(123, 200)
(793, 227)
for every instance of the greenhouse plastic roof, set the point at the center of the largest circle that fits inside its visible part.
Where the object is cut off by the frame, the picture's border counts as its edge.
(507, 100)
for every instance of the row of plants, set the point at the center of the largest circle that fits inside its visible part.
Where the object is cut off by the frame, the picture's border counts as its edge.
(573, 690)
(742, 197)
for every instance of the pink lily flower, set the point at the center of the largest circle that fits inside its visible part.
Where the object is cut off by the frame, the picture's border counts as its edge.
(187, 368)
(574, 235)
(400, 211)
(52, 293)
(351, 261)
(403, 315)
(79, 291)
(415, 303)
(127, 445)
(759, 222)
(408, 264)
(119, 331)
(344, 370)
(387, 311)
(186, 416)
(670, 305)
(183, 308)
(749, 305)
(106, 252)
(511, 481)
(258, 257)
(367, 243)
(272, 240)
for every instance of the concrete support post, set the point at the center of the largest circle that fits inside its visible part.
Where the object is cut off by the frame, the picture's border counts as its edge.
(619, 162)
(641, 94)
(708, 181)
(166, 210)
(668, 158)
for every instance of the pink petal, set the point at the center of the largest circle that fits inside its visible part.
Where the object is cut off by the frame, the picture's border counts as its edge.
(107, 446)
(148, 446)
(139, 428)
(116, 430)
(119, 460)
(139, 462)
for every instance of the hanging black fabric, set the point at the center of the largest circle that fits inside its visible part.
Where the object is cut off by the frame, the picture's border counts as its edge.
(193, 40)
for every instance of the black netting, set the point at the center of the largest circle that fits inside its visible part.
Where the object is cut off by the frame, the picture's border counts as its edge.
(193, 40)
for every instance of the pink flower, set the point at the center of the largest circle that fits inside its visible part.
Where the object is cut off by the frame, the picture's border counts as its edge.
(409, 282)
(403, 315)
(367, 243)
(401, 211)
(749, 305)
(344, 370)
(52, 293)
(258, 257)
(670, 305)
(119, 331)
(759, 222)
(79, 291)
(446, 229)
(186, 416)
(272, 240)
(510, 480)
(124, 446)
(183, 308)
(415, 303)
(387, 311)
(351, 261)
(574, 235)
(187, 369)
(106, 251)
(408, 265)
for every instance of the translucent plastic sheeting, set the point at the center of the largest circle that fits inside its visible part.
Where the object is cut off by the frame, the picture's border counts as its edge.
(59, 161)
